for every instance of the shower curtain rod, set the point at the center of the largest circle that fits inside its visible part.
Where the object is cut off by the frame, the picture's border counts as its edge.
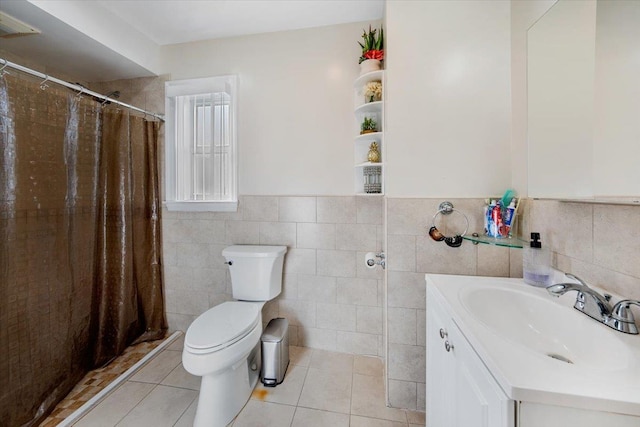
(81, 90)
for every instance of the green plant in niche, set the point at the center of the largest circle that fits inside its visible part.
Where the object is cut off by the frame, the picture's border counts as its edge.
(368, 125)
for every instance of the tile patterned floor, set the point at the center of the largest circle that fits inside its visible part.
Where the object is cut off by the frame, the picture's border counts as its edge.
(320, 389)
(96, 380)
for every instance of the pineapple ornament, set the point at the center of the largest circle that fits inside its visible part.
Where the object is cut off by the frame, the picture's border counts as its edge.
(374, 154)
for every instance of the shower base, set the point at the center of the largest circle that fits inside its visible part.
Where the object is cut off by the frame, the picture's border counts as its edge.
(87, 391)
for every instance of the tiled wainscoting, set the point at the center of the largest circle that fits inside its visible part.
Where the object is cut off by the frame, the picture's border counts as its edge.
(410, 254)
(332, 301)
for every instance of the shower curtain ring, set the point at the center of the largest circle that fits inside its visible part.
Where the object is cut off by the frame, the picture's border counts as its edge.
(43, 84)
(2, 71)
(79, 95)
(105, 102)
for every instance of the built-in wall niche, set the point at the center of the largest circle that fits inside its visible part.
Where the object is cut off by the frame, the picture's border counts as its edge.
(584, 102)
(369, 120)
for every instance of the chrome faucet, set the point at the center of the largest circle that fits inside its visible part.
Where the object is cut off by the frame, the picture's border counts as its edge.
(597, 306)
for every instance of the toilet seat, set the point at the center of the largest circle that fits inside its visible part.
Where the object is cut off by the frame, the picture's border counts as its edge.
(221, 326)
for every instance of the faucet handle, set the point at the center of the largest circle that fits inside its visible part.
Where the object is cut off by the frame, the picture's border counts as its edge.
(622, 318)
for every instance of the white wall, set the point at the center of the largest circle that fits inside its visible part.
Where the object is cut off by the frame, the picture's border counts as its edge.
(448, 98)
(296, 121)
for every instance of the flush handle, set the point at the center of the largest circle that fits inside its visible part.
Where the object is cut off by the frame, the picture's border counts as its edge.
(229, 262)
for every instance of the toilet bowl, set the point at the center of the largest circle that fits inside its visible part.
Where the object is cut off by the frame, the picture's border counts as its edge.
(223, 347)
(223, 344)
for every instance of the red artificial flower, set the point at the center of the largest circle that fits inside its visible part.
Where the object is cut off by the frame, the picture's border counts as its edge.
(374, 54)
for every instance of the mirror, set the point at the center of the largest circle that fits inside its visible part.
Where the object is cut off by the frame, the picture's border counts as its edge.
(584, 101)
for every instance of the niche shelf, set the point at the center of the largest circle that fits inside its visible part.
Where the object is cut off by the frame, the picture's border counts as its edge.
(362, 142)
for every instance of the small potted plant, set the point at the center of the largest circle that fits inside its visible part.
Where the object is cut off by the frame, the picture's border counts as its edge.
(372, 50)
(372, 91)
(368, 125)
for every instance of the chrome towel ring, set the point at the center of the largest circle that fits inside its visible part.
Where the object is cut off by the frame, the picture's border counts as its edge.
(446, 208)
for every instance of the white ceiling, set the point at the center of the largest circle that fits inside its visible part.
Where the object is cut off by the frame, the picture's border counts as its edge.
(178, 21)
(80, 39)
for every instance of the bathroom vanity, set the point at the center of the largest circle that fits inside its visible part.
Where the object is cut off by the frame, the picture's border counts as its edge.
(501, 353)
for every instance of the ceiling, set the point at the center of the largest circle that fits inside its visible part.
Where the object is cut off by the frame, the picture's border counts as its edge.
(178, 21)
(105, 40)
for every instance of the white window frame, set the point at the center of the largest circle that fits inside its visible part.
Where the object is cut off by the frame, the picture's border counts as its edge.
(175, 147)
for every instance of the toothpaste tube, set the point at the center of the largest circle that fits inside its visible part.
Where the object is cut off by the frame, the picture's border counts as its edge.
(508, 217)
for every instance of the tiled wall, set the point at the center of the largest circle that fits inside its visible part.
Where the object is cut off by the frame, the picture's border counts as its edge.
(599, 243)
(410, 254)
(332, 301)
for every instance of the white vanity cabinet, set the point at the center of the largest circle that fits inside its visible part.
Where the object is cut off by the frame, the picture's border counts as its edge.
(460, 390)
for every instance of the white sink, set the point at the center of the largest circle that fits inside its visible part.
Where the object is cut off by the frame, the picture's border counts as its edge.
(539, 348)
(540, 324)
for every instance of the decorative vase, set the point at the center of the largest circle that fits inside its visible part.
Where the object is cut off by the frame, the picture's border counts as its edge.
(369, 65)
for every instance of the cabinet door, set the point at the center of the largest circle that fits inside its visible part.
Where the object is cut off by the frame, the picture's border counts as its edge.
(480, 402)
(440, 368)
(460, 391)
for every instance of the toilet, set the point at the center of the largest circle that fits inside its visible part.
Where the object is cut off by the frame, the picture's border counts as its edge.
(223, 344)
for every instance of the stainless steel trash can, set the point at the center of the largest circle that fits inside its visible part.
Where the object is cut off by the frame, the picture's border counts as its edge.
(275, 352)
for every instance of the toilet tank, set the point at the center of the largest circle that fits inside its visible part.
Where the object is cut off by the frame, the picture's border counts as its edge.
(256, 271)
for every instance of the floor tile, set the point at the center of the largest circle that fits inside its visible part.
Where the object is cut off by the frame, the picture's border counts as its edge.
(186, 420)
(357, 421)
(264, 414)
(326, 392)
(288, 392)
(179, 377)
(162, 407)
(305, 417)
(368, 365)
(116, 406)
(368, 399)
(177, 344)
(300, 355)
(158, 368)
(332, 362)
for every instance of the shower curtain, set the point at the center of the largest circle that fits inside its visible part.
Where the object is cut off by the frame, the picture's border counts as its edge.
(80, 247)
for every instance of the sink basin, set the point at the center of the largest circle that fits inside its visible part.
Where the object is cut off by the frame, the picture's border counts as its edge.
(544, 326)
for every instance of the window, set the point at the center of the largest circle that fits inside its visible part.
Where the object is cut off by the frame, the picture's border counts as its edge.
(200, 152)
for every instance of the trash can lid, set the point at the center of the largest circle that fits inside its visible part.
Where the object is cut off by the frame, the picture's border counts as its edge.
(275, 330)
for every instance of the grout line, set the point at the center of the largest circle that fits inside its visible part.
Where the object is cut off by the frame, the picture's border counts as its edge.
(81, 411)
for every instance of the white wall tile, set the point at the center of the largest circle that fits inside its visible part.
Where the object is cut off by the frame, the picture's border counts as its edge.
(357, 291)
(357, 343)
(369, 320)
(316, 236)
(301, 313)
(402, 394)
(324, 339)
(317, 288)
(242, 232)
(278, 233)
(297, 209)
(401, 253)
(357, 237)
(402, 325)
(406, 363)
(337, 210)
(259, 208)
(302, 261)
(338, 317)
(406, 290)
(369, 210)
(336, 263)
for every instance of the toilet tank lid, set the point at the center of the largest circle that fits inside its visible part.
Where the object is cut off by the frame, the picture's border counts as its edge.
(254, 251)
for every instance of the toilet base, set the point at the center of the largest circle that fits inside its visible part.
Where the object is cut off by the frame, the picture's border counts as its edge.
(223, 395)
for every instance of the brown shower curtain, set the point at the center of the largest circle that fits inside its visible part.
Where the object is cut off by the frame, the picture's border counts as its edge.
(80, 254)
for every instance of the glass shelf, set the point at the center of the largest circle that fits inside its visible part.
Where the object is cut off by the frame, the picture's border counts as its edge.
(512, 242)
